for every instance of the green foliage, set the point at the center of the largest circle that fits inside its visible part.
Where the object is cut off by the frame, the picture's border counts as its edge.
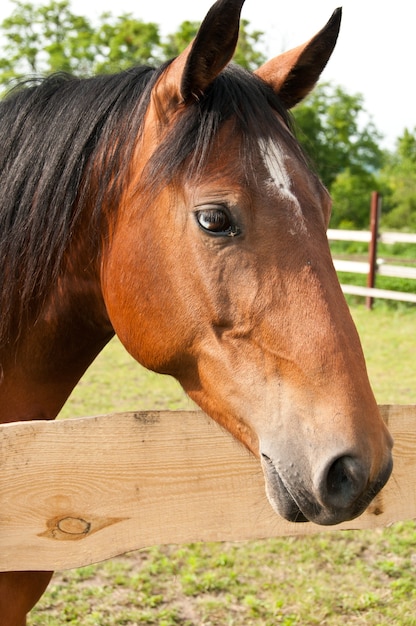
(176, 42)
(337, 133)
(42, 39)
(343, 143)
(351, 194)
(406, 146)
(399, 178)
(247, 55)
(123, 42)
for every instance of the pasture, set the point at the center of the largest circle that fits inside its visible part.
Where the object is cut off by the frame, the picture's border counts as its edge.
(352, 577)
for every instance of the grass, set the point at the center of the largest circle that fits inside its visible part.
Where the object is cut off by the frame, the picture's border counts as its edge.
(345, 578)
(334, 579)
(115, 382)
(388, 337)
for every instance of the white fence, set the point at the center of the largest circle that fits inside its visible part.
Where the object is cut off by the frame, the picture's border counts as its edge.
(381, 268)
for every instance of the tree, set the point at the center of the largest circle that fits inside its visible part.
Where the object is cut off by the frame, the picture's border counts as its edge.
(49, 38)
(176, 42)
(123, 42)
(336, 132)
(351, 194)
(44, 39)
(399, 177)
(247, 53)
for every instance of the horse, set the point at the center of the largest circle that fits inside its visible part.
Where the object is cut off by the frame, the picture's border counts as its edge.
(173, 207)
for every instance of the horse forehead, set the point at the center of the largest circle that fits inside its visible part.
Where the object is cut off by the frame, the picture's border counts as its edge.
(281, 172)
(275, 161)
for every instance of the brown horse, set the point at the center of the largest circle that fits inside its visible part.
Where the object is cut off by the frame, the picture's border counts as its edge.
(175, 208)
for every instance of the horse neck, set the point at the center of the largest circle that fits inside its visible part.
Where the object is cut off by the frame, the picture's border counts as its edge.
(40, 369)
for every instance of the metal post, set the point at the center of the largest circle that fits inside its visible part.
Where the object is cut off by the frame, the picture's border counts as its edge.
(372, 251)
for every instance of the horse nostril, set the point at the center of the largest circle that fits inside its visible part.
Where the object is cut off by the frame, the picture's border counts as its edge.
(345, 481)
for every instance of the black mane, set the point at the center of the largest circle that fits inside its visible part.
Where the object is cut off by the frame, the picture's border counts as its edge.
(56, 133)
(50, 134)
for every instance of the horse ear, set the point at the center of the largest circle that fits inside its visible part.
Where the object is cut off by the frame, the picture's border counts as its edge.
(211, 50)
(294, 73)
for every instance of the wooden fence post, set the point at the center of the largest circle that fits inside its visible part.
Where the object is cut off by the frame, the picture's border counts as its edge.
(372, 252)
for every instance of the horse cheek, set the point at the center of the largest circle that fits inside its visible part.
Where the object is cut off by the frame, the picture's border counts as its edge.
(139, 303)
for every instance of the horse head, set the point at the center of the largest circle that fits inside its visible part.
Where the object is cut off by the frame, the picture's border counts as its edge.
(218, 272)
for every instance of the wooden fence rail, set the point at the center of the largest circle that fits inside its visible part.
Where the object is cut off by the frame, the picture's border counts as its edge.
(74, 492)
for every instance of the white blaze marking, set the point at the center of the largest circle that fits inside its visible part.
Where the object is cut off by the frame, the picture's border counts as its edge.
(280, 181)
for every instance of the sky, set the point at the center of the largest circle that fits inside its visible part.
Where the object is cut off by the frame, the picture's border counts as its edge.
(374, 55)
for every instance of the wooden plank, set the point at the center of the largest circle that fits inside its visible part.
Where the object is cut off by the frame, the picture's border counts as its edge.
(75, 492)
(402, 296)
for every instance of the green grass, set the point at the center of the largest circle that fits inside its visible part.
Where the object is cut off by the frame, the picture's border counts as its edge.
(334, 579)
(115, 382)
(388, 337)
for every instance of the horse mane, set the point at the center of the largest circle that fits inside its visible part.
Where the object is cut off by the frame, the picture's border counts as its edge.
(56, 133)
(51, 133)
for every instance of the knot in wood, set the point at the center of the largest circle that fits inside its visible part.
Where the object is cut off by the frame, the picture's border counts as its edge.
(73, 526)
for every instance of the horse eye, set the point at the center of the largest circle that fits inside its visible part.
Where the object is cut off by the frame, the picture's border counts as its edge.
(216, 221)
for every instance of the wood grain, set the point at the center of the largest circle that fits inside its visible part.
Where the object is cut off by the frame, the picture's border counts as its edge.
(78, 491)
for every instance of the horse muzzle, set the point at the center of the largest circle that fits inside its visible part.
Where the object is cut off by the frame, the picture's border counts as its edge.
(339, 492)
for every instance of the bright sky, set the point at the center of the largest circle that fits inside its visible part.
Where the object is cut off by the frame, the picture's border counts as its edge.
(374, 55)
